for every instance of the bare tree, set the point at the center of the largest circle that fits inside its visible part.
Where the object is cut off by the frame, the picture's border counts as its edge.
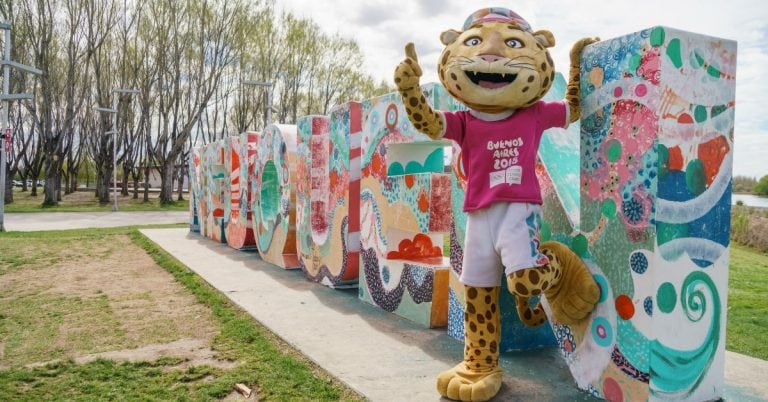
(185, 88)
(188, 59)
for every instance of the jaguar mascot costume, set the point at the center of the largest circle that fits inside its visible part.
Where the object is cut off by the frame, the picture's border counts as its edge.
(500, 69)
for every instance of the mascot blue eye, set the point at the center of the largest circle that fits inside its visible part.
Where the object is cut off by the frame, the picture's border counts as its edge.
(514, 43)
(474, 41)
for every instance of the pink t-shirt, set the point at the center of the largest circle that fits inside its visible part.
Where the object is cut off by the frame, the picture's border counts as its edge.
(499, 157)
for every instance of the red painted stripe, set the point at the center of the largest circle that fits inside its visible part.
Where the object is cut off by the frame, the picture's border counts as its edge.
(355, 153)
(354, 206)
(355, 117)
(353, 266)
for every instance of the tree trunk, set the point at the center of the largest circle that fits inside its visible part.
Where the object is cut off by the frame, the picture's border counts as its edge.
(8, 186)
(51, 180)
(166, 183)
(23, 182)
(65, 175)
(58, 188)
(87, 177)
(181, 184)
(135, 186)
(34, 171)
(70, 184)
(102, 186)
(124, 184)
(73, 182)
(146, 183)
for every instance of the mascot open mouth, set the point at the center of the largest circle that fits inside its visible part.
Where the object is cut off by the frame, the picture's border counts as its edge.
(490, 80)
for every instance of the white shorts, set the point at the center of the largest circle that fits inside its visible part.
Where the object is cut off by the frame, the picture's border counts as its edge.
(502, 236)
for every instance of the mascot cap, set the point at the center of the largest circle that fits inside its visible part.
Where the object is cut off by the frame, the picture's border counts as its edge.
(496, 14)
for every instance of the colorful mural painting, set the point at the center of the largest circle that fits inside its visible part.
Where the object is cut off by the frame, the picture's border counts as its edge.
(202, 197)
(640, 189)
(328, 196)
(656, 154)
(273, 186)
(194, 190)
(405, 212)
(239, 165)
(212, 203)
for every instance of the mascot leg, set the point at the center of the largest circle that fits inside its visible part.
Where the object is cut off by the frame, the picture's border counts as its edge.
(478, 377)
(529, 315)
(566, 282)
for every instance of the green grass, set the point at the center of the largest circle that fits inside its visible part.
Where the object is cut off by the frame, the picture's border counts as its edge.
(747, 302)
(85, 201)
(264, 362)
(31, 326)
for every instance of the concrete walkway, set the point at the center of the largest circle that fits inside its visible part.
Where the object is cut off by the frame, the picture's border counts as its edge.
(31, 221)
(380, 355)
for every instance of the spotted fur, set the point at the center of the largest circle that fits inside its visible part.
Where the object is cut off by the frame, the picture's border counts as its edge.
(420, 113)
(478, 376)
(565, 282)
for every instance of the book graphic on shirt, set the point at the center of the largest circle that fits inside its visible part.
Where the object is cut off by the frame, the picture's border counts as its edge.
(510, 175)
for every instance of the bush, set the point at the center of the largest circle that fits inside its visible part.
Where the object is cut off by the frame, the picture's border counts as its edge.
(749, 226)
(761, 188)
(743, 184)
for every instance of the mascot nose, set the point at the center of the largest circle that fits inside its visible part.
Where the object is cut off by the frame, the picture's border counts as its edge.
(490, 57)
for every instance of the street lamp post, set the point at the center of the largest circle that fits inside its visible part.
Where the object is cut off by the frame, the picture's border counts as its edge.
(6, 131)
(269, 85)
(114, 131)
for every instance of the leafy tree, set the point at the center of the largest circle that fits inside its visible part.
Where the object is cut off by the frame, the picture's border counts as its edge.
(761, 188)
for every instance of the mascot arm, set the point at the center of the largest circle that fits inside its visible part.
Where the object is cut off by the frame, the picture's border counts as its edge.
(421, 115)
(573, 94)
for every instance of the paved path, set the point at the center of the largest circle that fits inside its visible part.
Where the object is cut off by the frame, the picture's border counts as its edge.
(30, 221)
(380, 355)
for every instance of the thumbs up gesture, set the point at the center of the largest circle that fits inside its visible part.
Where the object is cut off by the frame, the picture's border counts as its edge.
(408, 72)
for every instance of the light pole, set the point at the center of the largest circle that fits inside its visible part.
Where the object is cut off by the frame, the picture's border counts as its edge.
(113, 111)
(5, 135)
(269, 85)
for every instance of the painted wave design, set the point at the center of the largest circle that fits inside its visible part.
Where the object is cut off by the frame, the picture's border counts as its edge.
(676, 374)
(389, 300)
(324, 274)
(432, 164)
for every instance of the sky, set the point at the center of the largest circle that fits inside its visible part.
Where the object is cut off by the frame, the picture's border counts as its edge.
(383, 27)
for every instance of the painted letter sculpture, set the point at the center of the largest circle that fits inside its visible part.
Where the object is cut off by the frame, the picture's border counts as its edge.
(500, 69)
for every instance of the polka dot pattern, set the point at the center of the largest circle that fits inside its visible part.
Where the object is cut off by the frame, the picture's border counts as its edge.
(638, 262)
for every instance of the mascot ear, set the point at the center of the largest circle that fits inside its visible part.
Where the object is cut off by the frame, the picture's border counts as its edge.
(450, 36)
(545, 38)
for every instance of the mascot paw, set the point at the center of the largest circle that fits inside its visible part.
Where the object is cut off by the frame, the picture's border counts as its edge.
(461, 384)
(408, 72)
(575, 293)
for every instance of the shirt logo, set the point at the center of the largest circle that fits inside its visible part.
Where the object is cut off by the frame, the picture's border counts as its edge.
(512, 175)
(505, 160)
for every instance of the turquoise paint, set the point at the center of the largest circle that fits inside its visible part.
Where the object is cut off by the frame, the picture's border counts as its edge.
(269, 197)
(559, 152)
(602, 332)
(678, 373)
(432, 164)
(633, 345)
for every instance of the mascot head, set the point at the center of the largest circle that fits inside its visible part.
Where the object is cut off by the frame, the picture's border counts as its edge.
(497, 62)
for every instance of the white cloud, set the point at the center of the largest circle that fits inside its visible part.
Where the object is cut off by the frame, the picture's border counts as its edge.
(383, 27)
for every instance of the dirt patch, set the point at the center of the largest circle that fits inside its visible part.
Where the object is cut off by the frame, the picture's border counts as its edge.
(105, 298)
(190, 352)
